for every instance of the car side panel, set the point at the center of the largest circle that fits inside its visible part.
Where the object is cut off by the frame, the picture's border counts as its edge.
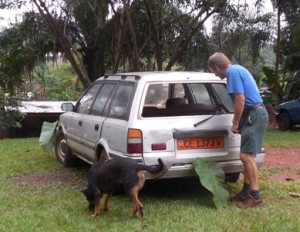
(91, 131)
(295, 111)
(114, 136)
(71, 123)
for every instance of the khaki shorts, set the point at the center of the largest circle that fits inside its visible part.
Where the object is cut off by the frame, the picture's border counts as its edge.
(253, 125)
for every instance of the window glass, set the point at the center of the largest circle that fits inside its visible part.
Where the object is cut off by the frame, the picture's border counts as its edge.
(157, 94)
(224, 97)
(120, 103)
(85, 103)
(201, 94)
(101, 99)
(178, 91)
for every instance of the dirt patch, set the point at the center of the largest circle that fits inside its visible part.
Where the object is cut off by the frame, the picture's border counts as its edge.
(288, 159)
(58, 178)
(282, 157)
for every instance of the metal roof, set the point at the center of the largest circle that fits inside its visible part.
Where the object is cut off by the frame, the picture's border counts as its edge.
(41, 107)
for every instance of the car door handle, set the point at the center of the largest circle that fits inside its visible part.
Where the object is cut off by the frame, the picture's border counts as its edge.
(96, 127)
(80, 123)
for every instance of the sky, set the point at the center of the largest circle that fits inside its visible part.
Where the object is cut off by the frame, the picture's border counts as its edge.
(7, 16)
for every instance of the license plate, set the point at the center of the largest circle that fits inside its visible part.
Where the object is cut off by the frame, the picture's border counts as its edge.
(200, 143)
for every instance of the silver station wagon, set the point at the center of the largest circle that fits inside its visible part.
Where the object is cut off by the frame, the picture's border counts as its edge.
(175, 116)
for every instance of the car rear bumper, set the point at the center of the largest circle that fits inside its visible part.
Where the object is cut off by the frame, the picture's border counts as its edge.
(188, 170)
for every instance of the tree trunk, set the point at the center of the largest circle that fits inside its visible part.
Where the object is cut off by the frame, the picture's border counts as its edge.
(155, 36)
(135, 53)
(277, 53)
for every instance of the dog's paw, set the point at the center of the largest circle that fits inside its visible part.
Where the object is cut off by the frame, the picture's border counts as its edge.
(131, 215)
(94, 215)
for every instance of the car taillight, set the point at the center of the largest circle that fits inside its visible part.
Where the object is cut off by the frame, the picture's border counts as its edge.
(134, 141)
(158, 146)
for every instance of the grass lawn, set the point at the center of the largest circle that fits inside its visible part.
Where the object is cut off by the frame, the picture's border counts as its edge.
(38, 194)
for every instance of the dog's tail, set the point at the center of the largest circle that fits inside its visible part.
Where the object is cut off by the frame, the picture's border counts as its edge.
(160, 168)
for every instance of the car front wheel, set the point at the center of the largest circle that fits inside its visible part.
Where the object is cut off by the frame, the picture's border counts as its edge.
(63, 152)
(284, 121)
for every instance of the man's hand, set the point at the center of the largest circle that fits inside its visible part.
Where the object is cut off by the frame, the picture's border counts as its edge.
(235, 128)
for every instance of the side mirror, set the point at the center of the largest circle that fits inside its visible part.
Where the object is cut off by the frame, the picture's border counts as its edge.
(68, 106)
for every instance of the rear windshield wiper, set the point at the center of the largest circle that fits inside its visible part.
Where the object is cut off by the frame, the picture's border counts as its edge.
(204, 120)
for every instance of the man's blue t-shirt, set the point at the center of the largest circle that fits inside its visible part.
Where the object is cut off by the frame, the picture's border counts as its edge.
(240, 80)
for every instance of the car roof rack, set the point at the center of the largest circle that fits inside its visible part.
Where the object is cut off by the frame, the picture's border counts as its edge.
(122, 77)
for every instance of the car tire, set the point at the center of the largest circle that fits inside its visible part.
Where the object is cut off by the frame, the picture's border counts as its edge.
(103, 156)
(284, 121)
(63, 152)
(232, 177)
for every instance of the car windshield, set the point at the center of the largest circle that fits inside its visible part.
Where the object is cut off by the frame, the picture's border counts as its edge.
(182, 99)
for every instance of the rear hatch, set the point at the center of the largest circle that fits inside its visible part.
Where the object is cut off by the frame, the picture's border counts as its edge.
(181, 121)
(180, 140)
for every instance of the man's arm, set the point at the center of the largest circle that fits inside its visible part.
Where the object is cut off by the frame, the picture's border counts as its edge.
(239, 104)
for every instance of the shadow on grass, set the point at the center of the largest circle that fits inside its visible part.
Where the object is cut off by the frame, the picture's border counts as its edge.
(174, 187)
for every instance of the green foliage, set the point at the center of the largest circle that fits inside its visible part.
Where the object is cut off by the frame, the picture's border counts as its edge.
(289, 86)
(212, 177)
(56, 81)
(12, 61)
(62, 83)
(22, 47)
(9, 115)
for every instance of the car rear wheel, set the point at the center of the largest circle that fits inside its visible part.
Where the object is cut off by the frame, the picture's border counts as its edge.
(284, 121)
(103, 156)
(63, 152)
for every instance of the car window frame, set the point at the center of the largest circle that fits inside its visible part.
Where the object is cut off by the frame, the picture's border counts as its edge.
(103, 113)
(84, 93)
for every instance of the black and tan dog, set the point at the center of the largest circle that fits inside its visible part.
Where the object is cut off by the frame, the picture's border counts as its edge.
(106, 177)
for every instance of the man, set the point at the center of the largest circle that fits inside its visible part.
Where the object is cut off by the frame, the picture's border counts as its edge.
(250, 120)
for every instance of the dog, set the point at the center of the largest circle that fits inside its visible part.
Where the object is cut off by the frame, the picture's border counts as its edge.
(105, 178)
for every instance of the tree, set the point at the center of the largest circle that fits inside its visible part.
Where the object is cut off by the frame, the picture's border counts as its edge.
(133, 35)
(171, 29)
(241, 33)
(155, 31)
(64, 42)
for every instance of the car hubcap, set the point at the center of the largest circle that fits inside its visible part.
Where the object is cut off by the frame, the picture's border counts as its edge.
(62, 149)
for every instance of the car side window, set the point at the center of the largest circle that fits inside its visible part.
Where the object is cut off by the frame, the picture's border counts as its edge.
(85, 103)
(101, 99)
(120, 103)
(157, 94)
(221, 91)
(201, 94)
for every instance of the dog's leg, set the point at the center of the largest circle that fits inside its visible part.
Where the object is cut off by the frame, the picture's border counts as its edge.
(137, 205)
(97, 204)
(135, 202)
(106, 204)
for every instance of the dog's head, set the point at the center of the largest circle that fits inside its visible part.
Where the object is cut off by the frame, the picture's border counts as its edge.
(89, 197)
